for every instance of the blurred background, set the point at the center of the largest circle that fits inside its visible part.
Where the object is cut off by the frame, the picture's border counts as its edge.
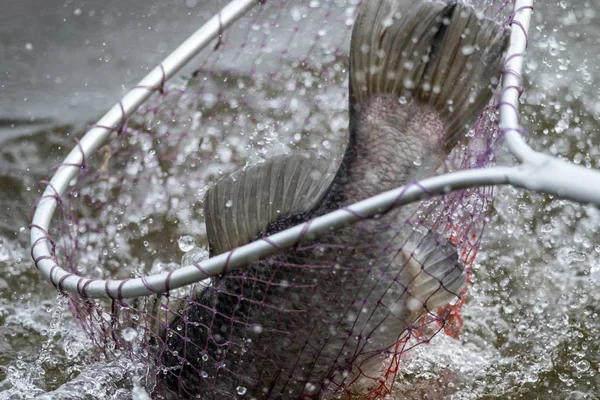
(69, 61)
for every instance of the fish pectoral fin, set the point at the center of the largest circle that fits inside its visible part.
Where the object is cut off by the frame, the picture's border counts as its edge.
(242, 204)
(435, 275)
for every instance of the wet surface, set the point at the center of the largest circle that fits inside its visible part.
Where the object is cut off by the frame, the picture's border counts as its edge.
(531, 323)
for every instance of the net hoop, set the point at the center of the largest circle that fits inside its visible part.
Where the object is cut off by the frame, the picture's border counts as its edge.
(536, 171)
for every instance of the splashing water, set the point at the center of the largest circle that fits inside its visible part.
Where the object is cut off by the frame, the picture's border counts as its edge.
(154, 150)
(124, 216)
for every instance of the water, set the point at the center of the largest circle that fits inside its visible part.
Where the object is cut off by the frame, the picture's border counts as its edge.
(68, 61)
(532, 319)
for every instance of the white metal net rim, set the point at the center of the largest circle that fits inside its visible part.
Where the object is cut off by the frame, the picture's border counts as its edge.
(536, 171)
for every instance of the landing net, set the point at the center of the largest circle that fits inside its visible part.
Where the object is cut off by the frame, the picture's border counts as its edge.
(273, 81)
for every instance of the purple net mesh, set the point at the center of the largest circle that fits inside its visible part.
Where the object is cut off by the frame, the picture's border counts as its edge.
(275, 81)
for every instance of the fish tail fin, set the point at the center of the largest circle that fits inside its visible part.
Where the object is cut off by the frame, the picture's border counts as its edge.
(442, 54)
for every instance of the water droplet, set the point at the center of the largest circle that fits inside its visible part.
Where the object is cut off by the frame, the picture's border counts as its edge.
(467, 50)
(582, 366)
(129, 334)
(228, 203)
(310, 387)
(194, 256)
(296, 13)
(257, 328)
(241, 390)
(186, 243)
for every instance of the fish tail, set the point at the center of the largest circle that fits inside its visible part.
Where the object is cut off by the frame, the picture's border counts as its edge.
(443, 54)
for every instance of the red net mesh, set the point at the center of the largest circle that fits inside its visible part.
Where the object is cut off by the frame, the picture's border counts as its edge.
(275, 81)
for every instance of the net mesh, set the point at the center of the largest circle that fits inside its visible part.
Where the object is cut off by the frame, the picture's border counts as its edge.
(308, 324)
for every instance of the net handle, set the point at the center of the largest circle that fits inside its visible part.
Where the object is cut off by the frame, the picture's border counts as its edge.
(549, 174)
(537, 171)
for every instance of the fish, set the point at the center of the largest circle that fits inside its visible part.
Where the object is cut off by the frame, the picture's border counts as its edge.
(318, 321)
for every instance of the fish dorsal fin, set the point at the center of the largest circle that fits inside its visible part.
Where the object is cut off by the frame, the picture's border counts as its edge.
(242, 205)
(425, 50)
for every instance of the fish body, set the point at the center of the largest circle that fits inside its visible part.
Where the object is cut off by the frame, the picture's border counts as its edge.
(313, 322)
